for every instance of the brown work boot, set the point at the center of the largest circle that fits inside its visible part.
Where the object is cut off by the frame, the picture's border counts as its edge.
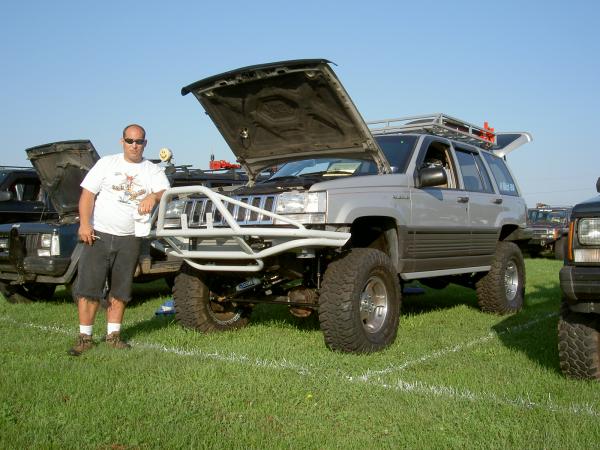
(82, 343)
(114, 340)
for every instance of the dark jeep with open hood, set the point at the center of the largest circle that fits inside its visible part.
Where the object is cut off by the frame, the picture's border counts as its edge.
(353, 211)
(22, 198)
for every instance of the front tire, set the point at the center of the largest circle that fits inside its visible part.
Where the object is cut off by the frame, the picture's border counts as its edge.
(195, 308)
(560, 248)
(579, 344)
(502, 289)
(359, 302)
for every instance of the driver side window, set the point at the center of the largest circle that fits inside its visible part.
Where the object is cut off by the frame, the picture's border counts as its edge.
(438, 155)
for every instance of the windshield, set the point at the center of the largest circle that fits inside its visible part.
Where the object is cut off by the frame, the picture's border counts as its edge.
(397, 149)
(552, 216)
(326, 167)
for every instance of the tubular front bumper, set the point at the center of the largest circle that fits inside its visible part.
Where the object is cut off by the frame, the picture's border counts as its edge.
(231, 244)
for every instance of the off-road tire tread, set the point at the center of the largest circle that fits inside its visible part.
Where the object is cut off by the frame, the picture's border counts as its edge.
(579, 344)
(338, 302)
(491, 295)
(191, 301)
(560, 248)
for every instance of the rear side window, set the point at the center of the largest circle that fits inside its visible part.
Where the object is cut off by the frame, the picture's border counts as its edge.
(503, 178)
(475, 177)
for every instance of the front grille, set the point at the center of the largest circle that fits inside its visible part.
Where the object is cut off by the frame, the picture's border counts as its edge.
(30, 241)
(199, 209)
(542, 234)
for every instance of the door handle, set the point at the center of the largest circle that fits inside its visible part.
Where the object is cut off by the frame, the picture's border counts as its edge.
(498, 201)
(462, 199)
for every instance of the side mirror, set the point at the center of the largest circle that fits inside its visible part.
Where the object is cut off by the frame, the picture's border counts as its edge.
(598, 185)
(432, 176)
(6, 196)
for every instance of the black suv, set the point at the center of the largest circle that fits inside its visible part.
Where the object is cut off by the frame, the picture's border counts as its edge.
(36, 257)
(579, 324)
(21, 196)
(549, 227)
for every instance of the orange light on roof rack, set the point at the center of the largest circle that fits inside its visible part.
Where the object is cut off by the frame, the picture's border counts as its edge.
(488, 133)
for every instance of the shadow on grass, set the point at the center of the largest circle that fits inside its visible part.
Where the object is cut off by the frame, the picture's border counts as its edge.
(415, 300)
(149, 325)
(435, 299)
(533, 331)
(279, 315)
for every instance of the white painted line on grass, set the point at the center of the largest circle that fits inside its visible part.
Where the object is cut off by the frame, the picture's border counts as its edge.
(415, 387)
(454, 349)
(428, 390)
(226, 357)
(52, 328)
(215, 355)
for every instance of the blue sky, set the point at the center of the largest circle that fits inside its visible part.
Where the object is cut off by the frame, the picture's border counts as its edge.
(74, 70)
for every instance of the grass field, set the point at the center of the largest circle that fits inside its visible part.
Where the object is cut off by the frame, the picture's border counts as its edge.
(455, 377)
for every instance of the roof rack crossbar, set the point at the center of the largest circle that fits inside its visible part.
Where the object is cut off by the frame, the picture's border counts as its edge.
(438, 124)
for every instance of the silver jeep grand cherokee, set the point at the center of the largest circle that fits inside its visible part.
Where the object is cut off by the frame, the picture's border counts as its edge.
(351, 212)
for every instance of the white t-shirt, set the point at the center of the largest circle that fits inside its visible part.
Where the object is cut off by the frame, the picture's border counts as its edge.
(120, 186)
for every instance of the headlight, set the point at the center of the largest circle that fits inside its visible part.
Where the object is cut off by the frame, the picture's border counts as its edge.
(175, 208)
(173, 213)
(3, 243)
(301, 202)
(45, 240)
(588, 231)
(49, 245)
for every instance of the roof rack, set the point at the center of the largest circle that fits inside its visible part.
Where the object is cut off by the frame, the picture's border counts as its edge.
(438, 124)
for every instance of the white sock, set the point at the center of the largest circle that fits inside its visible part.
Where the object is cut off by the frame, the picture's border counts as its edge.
(112, 327)
(86, 329)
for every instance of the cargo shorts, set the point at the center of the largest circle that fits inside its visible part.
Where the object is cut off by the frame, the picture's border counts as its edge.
(107, 267)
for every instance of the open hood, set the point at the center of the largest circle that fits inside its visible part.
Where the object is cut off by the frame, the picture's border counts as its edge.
(61, 167)
(271, 113)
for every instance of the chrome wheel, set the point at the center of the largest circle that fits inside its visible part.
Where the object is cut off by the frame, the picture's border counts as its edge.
(374, 304)
(511, 281)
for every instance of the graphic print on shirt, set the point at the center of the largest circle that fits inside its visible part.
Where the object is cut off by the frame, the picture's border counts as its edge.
(130, 189)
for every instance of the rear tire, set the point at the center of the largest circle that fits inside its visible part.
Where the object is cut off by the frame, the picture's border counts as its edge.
(579, 344)
(359, 302)
(194, 307)
(502, 289)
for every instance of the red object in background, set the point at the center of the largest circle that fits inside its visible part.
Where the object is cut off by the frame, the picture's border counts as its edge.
(488, 133)
(221, 164)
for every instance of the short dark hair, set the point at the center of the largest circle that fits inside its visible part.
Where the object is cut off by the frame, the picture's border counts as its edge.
(134, 125)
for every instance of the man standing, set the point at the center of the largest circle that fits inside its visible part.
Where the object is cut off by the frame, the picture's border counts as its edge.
(117, 191)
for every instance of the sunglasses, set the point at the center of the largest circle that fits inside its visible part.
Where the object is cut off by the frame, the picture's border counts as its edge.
(137, 141)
